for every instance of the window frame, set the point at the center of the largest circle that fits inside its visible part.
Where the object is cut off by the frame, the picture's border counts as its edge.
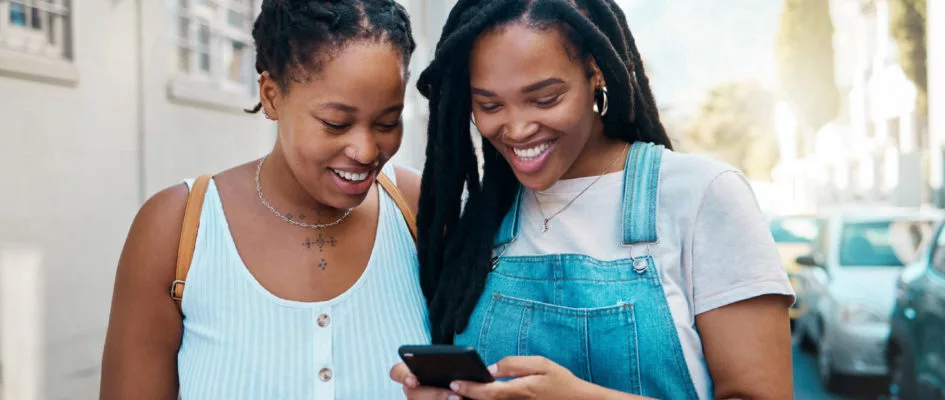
(212, 86)
(41, 53)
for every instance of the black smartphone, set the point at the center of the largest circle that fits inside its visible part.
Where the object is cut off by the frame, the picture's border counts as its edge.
(439, 365)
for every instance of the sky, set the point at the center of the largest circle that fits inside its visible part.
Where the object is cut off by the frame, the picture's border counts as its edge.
(689, 46)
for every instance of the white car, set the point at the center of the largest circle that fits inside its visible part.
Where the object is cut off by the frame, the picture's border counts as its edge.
(850, 285)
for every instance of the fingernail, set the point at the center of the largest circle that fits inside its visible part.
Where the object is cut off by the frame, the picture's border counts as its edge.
(493, 368)
(411, 381)
(455, 387)
(454, 397)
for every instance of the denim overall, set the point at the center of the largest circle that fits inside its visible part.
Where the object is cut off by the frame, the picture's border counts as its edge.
(607, 322)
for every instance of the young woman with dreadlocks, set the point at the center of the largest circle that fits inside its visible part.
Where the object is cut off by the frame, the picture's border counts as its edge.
(591, 261)
(304, 279)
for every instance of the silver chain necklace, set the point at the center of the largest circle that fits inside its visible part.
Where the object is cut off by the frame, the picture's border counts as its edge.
(547, 220)
(286, 219)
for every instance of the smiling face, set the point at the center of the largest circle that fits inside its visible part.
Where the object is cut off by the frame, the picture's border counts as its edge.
(532, 99)
(340, 126)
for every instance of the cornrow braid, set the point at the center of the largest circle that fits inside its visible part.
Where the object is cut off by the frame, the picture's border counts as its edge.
(294, 38)
(455, 245)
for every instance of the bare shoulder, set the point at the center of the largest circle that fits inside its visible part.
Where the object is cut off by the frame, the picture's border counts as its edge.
(145, 327)
(408, 181)
(157, 225)
(149, 258)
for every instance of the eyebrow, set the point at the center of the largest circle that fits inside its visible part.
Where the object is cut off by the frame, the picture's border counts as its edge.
(528, 89)
(340, 107)
(394, 108)
(541, 85)
(349, 109)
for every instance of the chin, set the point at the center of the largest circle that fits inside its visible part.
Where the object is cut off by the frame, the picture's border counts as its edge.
(344, 201)
(537, 182)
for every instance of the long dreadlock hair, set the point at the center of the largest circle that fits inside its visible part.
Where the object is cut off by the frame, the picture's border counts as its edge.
(455, 246)
(295, 38)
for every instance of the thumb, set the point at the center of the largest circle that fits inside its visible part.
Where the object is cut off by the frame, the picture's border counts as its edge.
(401, 374)
(516, 367)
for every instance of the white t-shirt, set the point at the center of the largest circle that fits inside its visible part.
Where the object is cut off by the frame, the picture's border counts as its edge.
(714, 245)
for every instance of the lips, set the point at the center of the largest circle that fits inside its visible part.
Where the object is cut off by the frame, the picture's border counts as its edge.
(531, 158)
(354, 183)
(533, 152)
(352, 176)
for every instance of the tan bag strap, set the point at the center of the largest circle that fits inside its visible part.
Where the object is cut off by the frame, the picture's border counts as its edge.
(398, 197)
(188, 235)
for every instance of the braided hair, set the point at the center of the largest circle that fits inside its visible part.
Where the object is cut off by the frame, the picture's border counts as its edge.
(455, 245)
(294, 38)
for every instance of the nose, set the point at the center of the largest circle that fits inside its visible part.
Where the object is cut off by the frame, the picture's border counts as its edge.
(363, 148)
(519, 128)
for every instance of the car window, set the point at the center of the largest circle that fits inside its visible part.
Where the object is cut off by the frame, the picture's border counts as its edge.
(882, 243)
(794, 230)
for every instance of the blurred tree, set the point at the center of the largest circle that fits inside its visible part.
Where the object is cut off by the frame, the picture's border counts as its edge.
(907, 25)
(806, 65)
(736, 125)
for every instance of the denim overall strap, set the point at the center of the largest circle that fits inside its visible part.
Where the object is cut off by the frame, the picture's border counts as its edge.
(640, 193)
(509, 228)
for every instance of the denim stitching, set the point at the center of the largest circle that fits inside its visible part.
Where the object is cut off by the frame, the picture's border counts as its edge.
(565, 311)
(587, 352)
(486, 326)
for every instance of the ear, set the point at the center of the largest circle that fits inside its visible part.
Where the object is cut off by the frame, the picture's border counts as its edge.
(270, 94)
(594, 73)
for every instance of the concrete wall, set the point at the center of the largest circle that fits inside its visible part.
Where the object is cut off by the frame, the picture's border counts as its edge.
(71, 188)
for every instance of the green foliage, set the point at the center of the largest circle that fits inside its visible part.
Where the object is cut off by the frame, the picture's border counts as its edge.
(736, 125)
(907, 20)
(806, 62)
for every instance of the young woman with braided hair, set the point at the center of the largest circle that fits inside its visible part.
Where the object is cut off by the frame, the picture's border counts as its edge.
(304, 278)
(590, 261)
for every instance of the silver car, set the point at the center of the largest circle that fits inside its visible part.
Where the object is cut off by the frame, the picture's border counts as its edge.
(850, 286)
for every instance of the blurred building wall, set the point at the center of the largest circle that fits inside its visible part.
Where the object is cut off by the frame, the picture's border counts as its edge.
(874, 151)
(936, 68)
(83, 142)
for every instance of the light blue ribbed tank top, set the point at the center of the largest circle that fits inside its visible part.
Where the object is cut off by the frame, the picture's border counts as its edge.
(242, 342)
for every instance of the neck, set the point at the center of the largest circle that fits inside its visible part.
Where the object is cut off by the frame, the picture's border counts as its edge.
(283, 190)
(598, 155)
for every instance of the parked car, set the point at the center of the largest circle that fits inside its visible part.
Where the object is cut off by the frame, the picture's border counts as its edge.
(850, 286)
(793, 236)
(916, 349)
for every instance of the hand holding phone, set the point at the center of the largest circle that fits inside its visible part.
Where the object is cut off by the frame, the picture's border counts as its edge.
(439, 365)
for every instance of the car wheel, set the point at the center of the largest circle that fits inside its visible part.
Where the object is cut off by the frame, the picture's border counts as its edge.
(828, 375)
(902, 378)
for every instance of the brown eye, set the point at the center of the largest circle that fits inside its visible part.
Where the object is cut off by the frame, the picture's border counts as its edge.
(547, 101)
(489, 108)
(389, 127)
(335, 127)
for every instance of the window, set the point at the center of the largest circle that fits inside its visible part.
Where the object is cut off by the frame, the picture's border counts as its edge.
(36, 27)
(794, 230)
(881, 243)
(214, 43)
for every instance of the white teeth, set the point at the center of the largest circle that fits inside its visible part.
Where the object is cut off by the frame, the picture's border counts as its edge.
(531, 152)
(351, 176)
